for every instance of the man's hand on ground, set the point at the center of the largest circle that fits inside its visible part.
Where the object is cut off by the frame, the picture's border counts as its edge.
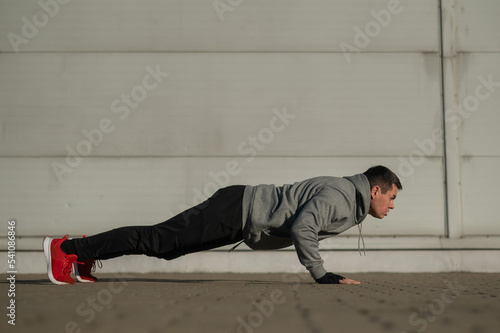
(330, 278)
(348, 281)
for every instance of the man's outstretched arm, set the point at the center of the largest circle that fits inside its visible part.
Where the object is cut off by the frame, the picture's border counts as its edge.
(312, 218)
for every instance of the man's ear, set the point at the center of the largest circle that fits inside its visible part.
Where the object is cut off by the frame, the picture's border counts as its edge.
(375, 190)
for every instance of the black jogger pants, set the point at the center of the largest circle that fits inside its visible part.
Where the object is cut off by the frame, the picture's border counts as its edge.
(213, 223)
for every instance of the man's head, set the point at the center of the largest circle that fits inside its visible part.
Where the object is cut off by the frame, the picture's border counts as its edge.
(384, 186)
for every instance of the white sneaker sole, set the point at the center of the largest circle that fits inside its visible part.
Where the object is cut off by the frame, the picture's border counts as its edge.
(46, 249)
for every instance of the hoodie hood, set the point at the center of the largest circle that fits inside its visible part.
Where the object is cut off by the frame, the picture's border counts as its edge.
(363, 196)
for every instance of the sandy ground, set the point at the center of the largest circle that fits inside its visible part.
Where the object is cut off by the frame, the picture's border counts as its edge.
(447, 302)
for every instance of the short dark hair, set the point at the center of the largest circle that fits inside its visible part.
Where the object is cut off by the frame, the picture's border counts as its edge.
(383, 177)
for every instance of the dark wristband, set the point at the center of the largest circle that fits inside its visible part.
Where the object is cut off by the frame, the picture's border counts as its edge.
(330, 278)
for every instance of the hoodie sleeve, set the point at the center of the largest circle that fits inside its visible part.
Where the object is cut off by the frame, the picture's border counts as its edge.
(313, 217)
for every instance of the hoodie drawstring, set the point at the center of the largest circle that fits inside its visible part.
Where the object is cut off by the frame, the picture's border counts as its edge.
(232, 249)
(360, 236)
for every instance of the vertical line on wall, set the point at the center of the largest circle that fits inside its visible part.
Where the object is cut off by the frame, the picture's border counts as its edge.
(443, 109)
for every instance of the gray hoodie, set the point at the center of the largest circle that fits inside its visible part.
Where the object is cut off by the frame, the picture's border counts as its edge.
(304, 213)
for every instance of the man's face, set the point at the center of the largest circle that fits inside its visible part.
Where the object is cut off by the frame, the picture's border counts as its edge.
(381, 203)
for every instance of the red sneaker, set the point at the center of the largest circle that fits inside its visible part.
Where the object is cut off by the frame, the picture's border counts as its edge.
(59, 264)
(84, 269)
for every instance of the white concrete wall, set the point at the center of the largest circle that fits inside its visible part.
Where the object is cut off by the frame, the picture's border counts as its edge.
(354, 99)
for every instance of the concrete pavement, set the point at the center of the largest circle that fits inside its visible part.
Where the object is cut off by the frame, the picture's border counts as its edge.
(256, 303)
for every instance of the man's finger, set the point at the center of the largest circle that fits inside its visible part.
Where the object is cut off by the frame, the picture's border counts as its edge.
(349, 281)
